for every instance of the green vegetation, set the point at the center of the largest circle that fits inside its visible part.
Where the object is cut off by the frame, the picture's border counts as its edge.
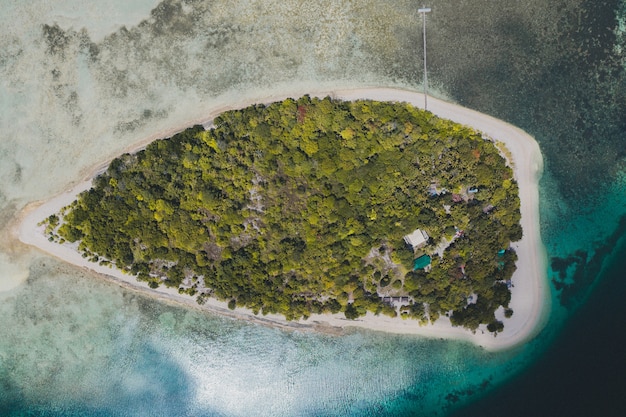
(301, 206)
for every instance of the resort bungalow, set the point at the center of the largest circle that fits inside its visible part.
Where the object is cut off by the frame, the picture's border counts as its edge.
(416, 239)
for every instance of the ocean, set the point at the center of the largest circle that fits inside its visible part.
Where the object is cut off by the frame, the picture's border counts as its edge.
(80, 83)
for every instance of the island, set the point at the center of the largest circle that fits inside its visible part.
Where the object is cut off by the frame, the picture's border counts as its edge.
(314, 208)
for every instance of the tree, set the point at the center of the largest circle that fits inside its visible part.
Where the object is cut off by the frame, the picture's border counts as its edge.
(301, 207)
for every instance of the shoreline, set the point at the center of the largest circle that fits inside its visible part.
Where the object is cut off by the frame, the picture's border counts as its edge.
(530, 292)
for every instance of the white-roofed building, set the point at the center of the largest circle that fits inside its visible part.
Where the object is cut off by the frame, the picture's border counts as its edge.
(417, 238)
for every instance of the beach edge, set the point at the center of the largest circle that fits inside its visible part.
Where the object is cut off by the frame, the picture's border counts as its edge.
(530, 295)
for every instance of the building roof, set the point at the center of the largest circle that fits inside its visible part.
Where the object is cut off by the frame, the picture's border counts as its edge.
(417, 238)
(421, 262)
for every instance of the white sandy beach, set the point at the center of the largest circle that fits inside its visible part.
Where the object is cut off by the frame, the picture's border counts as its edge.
(530, 291)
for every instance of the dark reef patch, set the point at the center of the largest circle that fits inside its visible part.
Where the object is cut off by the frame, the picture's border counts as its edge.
(587, 267)
(56, 39)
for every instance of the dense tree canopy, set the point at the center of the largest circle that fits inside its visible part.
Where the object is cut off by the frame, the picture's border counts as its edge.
(301, 206)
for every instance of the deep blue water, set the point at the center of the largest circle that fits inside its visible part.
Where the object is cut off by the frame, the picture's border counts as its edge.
(583, 372)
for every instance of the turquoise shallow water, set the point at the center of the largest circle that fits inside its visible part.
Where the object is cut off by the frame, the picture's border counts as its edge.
(72, 344)
(581, 373)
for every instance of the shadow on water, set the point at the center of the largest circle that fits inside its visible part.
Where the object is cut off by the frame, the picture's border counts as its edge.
(164, 388)
(68, 352)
